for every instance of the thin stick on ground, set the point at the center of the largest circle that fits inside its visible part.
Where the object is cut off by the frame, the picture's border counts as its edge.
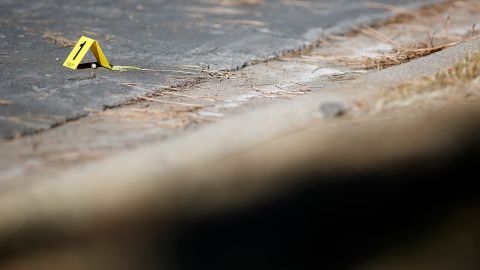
(171, 102)
(192, 97)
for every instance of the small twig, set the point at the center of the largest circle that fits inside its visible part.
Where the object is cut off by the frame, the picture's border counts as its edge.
(133, 84)
(430, 38)
(392, 8)
(169, 70)
(170, 102)
(258, 90)
(187, 96)
(447, 26)
(392, 58)
(383, 37)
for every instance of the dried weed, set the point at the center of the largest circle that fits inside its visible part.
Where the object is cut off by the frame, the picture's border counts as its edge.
(464, 73)
(57, 39)
(401, 53)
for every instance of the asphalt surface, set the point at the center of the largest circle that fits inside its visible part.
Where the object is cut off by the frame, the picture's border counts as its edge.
(37, 92)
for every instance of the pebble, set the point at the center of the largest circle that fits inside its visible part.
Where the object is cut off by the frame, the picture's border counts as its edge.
(332, 109)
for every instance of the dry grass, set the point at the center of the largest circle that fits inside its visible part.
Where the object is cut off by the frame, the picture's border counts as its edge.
(447, 84)
(57, 39)
(281, 93)
(405, 53)
(465, 71)
(198, 72)
(192, 105)
(411, 34)
(171, 117)
(402, 53)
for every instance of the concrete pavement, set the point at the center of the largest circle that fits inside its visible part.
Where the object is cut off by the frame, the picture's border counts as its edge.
(37, 92)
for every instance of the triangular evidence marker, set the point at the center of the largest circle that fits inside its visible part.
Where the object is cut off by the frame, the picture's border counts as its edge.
(81, 48)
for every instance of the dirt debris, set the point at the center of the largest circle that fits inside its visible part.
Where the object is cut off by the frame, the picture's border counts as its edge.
(240, 2)
(246, 22)
(174, 118)
(6, 102)
(403, 16)
(58, 39)
(217, 10)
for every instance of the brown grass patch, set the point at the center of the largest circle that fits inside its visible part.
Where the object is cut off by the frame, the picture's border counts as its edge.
(402, 53)
(57, 39)
(465, 72)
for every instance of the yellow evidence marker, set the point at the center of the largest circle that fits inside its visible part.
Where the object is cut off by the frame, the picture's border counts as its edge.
(81, 48)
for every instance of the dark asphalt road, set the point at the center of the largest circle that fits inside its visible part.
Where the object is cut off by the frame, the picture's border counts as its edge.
(37, 92)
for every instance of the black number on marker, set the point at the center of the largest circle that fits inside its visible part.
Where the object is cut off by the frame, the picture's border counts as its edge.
(81, 47)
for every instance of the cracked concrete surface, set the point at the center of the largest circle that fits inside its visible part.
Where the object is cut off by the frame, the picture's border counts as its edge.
(159, 35)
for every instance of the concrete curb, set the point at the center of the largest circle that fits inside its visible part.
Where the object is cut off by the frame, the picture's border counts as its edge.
(167, 179)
